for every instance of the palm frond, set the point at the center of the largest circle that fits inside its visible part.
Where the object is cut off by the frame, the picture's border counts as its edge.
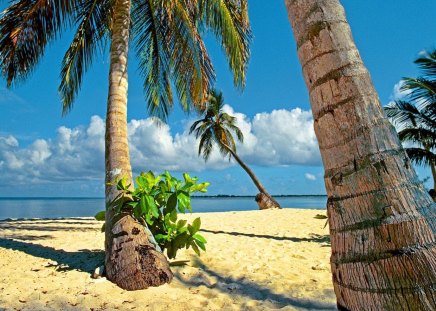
(205, 146)
(26, 27)
(405, 114)
(150, 32)
(216, 126)
(228, 21)
(422, 91)
(427, 63)
(192, 68)
(93, 18)
(421, 156)
(418, 135)
(237, 131)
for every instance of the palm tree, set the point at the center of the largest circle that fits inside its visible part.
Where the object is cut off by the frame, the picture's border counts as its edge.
(416, 118)
(216, 127)
(382, 220)
(168, 42)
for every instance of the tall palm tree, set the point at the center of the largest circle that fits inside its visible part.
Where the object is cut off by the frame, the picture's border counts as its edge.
(168, 42)
(216, 127)
(382, 220)
(416, 118)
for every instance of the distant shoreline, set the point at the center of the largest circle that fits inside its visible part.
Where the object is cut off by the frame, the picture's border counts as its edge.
(219, 196)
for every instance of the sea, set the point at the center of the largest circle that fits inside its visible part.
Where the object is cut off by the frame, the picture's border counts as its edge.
(16, 208)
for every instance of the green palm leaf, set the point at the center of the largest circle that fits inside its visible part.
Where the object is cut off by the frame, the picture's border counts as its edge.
(216, 126)
(228, 21)
(93, 18)
(26, 27)
(421, 156)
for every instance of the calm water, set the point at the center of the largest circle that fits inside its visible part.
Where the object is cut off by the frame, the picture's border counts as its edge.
(84, 207)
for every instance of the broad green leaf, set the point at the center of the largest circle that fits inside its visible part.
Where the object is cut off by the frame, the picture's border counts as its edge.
(151, 205)
(122, 184)
(184, 201)
(163, 186)
(103, 228)
(195, 248)
(196, 225)
(187, 186)
(160, 237)
(180, 241)
(100, 216)
(119, 200)
(200, 238)
(173, 216)
(202, 187)
(167, 220)
(201, 245)
(140, 182)
(133, 204)
(172, 202)
(187, 178)
(181, 223)
(151, 179)
(148, 219)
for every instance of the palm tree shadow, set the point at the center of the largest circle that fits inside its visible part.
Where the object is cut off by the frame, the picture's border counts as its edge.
(313, 237)
(244, 287)
(84, 260)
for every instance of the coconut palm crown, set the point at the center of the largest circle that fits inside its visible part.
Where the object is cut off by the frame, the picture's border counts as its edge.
(217, 127)
(415, 117)
(167, 37)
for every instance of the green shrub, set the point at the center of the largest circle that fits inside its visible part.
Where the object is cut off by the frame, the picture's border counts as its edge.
(156, 201)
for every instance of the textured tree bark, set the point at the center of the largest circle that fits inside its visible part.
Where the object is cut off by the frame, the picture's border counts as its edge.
(382, 221)
(264, 199)
(132, 261)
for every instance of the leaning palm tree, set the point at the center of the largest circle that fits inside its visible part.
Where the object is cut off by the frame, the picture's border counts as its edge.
(216, 127)
(416, 118)
(172, 54)
(382, 220)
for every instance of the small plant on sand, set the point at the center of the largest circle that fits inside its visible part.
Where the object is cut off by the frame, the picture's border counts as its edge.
(156, 201)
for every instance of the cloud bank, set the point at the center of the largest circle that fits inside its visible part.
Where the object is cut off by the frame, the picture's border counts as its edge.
(278, 138)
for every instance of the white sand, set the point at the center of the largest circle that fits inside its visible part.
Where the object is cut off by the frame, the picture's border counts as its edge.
(257, 260)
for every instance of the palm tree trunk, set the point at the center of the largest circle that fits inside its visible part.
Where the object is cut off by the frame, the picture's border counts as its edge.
(264, 200)
(382, 221)
(132, 261)
(433, 173)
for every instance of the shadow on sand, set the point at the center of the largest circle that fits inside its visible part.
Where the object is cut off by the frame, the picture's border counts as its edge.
(313, 238)
(84, 260)
(245, 288)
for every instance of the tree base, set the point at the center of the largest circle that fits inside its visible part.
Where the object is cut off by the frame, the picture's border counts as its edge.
(264, 201)
(132, 261)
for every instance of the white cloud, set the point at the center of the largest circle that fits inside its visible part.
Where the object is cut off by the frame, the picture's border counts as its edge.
(309, 176)
(279, 138)
(398, 93)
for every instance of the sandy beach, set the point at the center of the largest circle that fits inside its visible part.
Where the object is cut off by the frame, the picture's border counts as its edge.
(256, 260)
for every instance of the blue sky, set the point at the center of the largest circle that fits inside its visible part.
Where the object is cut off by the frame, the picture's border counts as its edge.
(44, 154)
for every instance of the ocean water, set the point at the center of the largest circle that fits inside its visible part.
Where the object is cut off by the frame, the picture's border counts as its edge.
(88, 207)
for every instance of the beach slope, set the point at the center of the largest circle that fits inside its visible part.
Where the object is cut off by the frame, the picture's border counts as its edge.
(256, 260)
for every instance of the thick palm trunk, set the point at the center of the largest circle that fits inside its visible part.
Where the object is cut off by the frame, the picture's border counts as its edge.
(382, 221)
(132, 261)
(263, 199)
